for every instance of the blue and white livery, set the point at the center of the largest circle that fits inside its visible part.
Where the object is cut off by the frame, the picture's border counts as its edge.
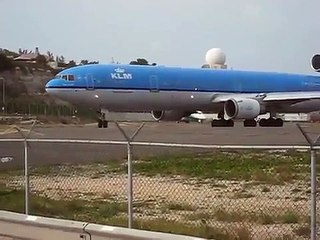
(171, 93)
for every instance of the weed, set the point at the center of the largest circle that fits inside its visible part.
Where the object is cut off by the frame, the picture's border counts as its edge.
(264, 219)
(243, 234)
(203, 216)
(223, 215)
(289, 217)
(242, 194)
(284, 237)
(180, 207)
(303, 231)
(265, 189)
(111, 209)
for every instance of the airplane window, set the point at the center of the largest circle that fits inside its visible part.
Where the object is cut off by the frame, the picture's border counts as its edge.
(65, 77)
(71, 77)
(58, 76)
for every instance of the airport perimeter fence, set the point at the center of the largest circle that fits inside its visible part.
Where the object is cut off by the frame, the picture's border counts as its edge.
(212, 191)
(46, 110)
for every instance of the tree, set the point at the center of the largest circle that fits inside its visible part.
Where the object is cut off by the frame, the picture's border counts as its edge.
(8, 53)
(5, 63)
(61, 59)
(71, 63)
(141, 61)
(50, 56)
(41, 60)
(84, 62)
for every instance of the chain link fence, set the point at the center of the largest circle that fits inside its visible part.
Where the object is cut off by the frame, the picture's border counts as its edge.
(217, 194)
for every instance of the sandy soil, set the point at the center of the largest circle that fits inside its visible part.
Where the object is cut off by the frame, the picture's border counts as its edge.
(197, 197)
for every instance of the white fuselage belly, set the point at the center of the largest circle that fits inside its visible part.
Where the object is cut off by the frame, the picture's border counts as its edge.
(144, 100)
(136, 100)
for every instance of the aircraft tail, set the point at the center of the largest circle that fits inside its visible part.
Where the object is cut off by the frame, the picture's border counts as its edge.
(315, 62)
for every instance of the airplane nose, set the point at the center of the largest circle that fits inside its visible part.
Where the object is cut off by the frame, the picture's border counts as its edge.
(49, 85)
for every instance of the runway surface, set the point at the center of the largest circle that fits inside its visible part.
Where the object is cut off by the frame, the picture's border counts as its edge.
(12, 154)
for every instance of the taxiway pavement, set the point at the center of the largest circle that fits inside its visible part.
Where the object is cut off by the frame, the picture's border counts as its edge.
(12, 153)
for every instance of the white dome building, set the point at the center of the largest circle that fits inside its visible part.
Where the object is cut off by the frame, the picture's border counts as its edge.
(215, 58)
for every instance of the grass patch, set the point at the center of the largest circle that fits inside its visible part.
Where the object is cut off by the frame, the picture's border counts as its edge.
(113, 213)
(205, 231)
(261, 218)
(96, 170)
(226, 216)
(261, 167)
(13, 200)
(203, 216)
(289, 217)
(103, 213)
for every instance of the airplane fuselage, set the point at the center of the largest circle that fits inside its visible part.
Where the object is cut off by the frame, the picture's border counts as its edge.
(147, 88)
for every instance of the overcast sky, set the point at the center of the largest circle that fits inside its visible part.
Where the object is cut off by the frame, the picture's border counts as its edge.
(268, 35)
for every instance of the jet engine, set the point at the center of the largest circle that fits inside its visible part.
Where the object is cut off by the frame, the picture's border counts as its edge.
(170, 115)
(315, 62)
(244, 108)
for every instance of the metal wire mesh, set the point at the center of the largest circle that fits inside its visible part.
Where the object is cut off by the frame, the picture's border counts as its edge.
(220, 195)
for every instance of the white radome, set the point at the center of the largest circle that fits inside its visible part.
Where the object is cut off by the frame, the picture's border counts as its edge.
(215, 56)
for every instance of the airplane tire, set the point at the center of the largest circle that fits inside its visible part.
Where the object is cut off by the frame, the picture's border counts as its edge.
(105, 124)
(249, 123)
(222, 123)
(278, 122)
(263, 122)
(100, 123)
(271, 122)
(230, 123)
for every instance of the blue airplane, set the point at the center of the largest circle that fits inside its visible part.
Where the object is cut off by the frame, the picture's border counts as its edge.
(171, 93)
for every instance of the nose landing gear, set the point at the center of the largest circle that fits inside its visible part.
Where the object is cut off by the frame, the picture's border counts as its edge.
(102, 122)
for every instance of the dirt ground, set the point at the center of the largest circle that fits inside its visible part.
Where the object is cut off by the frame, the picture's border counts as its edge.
(190, 199)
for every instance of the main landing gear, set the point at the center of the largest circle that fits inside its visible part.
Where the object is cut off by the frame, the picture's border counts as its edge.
(102, 122)
(249, 123)
(271, 122)
(221, 122)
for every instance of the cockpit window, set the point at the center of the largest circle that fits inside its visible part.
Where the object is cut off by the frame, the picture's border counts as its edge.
(71, 77)
(65, 77)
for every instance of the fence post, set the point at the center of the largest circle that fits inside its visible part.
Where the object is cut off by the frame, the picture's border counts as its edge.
(26, 167)
(313, 180)
(130, 186)
(313, 195)
(26, 177)
(130, 183)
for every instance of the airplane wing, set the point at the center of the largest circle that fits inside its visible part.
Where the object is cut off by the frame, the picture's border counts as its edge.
(301, 96)
(269, 97)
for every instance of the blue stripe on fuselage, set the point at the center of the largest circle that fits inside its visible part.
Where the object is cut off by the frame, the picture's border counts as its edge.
(132, 77)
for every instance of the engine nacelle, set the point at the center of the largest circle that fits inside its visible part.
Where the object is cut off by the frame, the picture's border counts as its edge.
(244, 108)
(170, 115)
(315, 62)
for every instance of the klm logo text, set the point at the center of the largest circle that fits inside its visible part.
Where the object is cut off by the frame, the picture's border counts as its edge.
(125, 76)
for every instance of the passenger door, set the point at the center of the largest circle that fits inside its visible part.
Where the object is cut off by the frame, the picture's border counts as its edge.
(154, 83)
(90, 82)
